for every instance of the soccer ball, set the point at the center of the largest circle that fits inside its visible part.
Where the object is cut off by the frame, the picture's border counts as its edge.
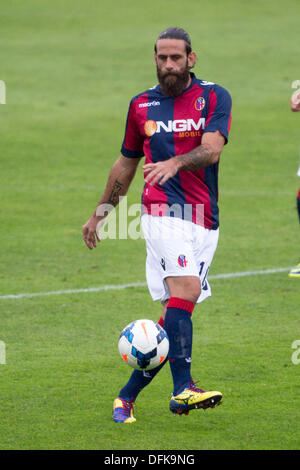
(143, 344)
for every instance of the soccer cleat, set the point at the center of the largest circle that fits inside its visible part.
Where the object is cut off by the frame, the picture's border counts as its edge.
(192, 398)
(295, 272)
(123, 411)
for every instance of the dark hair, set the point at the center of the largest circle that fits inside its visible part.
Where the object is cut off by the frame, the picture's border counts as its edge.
(176, 33)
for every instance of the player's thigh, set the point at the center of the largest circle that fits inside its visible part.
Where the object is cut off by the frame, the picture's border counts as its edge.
(169, 244)
(169, 240)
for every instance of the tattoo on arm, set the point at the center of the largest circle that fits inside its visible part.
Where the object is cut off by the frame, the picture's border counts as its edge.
(200, 157)
(114, 195)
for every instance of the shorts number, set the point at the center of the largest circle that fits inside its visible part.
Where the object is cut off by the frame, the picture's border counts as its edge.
(204, 282)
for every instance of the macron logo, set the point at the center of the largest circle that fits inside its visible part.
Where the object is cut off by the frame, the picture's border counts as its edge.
(152, 103)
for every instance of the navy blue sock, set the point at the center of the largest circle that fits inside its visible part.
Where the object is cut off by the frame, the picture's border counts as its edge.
(179, 328)
(139, 379)
(298, 204)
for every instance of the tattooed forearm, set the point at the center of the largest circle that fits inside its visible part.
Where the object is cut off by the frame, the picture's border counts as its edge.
(200, 157)
(115, 193)
(106, 204)
(120, 177)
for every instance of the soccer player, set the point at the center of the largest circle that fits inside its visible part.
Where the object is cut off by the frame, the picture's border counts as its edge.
(180, 126)
(295, 106)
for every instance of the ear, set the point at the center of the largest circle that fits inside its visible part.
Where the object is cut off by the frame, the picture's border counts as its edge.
(192, 58)
(155, 58)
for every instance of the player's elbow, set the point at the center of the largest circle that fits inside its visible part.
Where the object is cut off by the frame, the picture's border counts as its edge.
(215, 157)
(213, 152)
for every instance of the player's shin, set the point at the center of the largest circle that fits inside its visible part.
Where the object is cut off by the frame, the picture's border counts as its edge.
(179, 328)
(139, 379)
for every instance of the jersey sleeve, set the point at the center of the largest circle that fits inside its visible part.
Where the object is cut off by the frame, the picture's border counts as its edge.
(219, 113)
(132, 146)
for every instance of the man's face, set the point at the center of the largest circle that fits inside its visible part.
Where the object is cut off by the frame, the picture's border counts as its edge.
(173, 66)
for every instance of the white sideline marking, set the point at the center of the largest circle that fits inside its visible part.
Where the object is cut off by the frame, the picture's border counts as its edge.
(85, 187)
(137, 284)
(249, 273)
(75, 291)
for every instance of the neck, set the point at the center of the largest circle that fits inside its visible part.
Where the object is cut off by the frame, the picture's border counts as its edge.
(189, 81)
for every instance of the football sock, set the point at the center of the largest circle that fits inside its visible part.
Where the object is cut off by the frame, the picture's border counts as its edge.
(179, 328)
(298, 204)
(140, 379)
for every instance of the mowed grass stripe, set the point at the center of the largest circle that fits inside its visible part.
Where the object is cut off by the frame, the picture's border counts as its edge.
(137, 284)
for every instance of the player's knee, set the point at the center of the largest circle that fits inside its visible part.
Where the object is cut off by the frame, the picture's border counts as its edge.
(193, 290)
(185, 287)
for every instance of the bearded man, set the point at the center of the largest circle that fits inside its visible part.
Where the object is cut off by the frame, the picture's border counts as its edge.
(180, 126)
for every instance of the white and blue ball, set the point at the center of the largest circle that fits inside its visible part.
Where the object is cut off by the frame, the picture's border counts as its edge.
(143, 344)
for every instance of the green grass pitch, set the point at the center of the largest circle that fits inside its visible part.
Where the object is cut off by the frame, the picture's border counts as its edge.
(70, 69)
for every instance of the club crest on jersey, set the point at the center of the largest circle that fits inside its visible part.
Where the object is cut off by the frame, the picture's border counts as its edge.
(199, 103)
(182, 261)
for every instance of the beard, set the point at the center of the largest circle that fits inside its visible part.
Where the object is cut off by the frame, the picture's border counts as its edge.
(173, 83)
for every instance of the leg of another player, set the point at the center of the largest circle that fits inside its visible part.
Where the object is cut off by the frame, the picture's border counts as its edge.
(295, 272)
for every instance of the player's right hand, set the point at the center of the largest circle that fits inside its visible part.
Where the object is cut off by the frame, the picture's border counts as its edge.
(89, 232)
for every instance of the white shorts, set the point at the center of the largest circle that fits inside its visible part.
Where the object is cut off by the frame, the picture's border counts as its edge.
(177, 247)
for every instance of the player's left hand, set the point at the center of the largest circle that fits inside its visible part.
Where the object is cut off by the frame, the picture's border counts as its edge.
(90, 234)
(160, 171)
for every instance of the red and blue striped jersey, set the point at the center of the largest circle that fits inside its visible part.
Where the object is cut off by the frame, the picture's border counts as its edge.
(161, 127)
